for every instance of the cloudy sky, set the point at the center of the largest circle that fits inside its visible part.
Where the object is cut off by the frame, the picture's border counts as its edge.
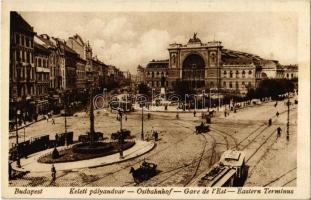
(128, 39)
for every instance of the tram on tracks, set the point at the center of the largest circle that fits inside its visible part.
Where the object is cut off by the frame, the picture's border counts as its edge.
(229, 171)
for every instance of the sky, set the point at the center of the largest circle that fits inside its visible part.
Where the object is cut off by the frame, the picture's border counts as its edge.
(127, 39)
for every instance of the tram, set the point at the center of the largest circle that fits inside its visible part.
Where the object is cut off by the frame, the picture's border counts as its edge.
(229, 171)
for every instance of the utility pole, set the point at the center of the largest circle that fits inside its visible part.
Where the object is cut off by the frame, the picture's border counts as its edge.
(287, 136)
(92, 131)
(66, 100)
(121, 135)
(18, 161)
(142, 121)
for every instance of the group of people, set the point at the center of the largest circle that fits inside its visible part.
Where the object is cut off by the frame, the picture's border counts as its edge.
(48, 116)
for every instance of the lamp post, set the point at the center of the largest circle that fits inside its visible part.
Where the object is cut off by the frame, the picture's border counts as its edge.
(18, 161)
(287, 131)
(120, 136)
(65, 112)
(210, 101)
(142, 121)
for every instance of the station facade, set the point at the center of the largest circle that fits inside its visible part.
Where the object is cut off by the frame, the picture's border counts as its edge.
(209, 66)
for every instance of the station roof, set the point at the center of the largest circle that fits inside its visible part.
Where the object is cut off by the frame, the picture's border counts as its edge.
(237, 57)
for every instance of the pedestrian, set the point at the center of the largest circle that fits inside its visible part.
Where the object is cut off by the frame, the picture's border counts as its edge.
(225, 113)
(279, 130)
(149, 115)
(270, 122)
(177, 116)
(194, 113)
(53, 121)
(53, 171)
(277, 114)
(46, 117)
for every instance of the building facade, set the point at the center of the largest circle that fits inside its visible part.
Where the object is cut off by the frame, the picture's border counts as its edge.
(210, 66)
(22, 68)
(157, 73)
(42, 55)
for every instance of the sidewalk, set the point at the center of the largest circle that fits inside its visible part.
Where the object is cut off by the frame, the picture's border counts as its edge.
(31, 163)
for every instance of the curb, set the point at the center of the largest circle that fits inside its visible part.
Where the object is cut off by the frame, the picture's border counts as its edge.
(119, 161)
(95, 166)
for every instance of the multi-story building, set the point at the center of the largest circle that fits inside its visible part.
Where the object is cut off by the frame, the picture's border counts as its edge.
(68, 61)
(210, 66)
(141, 75)
(22, 69)
(81, 82)
(157, 73)
(41, 54)
(84, 50)
(50, 43)
(290, 71)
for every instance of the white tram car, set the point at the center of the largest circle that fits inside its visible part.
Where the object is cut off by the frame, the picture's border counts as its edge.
(230, 171)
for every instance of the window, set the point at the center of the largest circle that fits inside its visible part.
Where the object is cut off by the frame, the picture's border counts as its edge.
(237, 74)
(225, 73)
(28, 57)
(224, 84)
(27, 42)
(231, 74)
(243, 84)
(292, 75)
(243, 74)
(18, 40)
(230, 85)
(23, 40)
(250, 72)
(152, 74)
(18, 55)
(23, 56)
(249, 84)
(237, 85)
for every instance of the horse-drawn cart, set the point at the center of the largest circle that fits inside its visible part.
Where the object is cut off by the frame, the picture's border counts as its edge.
(202, 128)
(144, 172)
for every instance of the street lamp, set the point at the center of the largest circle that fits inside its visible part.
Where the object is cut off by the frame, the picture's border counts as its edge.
(18, 161)
(142, 120)
(287, 136)
(120, 136)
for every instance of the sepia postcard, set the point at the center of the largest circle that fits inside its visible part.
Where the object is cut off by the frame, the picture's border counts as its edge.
(155, 99)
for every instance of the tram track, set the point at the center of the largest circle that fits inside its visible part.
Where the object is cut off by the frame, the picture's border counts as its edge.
(280, 177)
(199, 160)
(146, 157)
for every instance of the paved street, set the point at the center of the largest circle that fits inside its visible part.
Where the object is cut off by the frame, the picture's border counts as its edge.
(182, 156)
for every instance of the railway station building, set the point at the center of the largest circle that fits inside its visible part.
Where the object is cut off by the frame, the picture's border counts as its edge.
(206, 66)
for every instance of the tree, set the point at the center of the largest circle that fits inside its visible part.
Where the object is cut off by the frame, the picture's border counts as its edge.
(273, 88)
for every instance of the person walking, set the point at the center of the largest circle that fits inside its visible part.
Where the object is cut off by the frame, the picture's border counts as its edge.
(277, 114)
(279, 130)
(194, 113)
(53, 173)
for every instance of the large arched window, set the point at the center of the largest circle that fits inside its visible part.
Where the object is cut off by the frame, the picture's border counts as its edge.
(194, 61)
(243, 74)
